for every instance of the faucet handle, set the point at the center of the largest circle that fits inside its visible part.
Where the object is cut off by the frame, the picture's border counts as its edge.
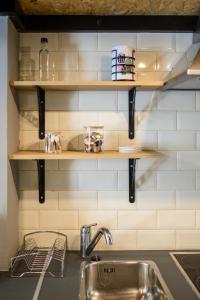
(86, 228)
(89, 225)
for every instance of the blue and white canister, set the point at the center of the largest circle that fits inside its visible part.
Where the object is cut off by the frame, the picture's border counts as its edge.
(123, 63)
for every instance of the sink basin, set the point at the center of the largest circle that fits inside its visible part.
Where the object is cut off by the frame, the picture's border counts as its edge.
(122, 280)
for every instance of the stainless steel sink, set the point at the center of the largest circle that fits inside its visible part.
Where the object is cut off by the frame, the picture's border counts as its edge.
(122, 280)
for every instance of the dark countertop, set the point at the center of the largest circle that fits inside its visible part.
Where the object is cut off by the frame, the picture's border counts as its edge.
(67, 288)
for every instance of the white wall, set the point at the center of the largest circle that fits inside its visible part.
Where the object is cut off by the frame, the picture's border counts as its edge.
(9, 143)
(166, 214)
(3, 128)
(12, 142)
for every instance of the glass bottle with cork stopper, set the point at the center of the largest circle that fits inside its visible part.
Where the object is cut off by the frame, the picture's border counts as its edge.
(44, 60)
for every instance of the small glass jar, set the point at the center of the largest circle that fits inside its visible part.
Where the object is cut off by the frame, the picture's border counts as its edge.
(93, 138)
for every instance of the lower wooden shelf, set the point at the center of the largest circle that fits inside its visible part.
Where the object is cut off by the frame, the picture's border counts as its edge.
(40, 158)
(39, 155)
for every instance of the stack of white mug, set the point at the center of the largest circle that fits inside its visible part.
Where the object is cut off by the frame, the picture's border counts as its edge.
(123, 63)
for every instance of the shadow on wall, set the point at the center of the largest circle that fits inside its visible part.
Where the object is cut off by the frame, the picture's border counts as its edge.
(30, 117)
(148, 173)
(70, 142)
(105, 73)
(152, 104)
(14, 165)
(147, 109)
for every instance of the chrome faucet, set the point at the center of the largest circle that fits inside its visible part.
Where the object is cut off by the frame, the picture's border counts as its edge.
(87, 245)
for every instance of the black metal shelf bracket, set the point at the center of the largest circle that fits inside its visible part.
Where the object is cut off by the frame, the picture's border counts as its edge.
(132, 165)
(41, 179)
(131, 105)
(41, 110)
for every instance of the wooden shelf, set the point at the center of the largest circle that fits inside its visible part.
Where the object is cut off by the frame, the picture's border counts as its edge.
(39, 155)
(71, 85)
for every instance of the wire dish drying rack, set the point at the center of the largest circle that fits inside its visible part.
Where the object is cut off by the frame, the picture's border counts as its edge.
(42, 252)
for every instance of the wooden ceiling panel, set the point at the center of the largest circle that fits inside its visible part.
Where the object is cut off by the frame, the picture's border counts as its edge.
(110, 7)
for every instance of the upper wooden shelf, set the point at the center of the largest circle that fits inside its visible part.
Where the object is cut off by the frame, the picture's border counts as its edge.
(71, 85)
(38, 155)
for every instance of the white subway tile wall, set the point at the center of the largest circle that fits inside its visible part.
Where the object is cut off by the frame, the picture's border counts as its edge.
(155, 239)
(166, 214)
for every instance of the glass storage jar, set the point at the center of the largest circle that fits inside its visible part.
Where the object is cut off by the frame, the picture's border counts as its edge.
(93, 138)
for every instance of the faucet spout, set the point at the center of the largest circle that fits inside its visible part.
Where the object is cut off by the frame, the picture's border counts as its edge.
(101, 232)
